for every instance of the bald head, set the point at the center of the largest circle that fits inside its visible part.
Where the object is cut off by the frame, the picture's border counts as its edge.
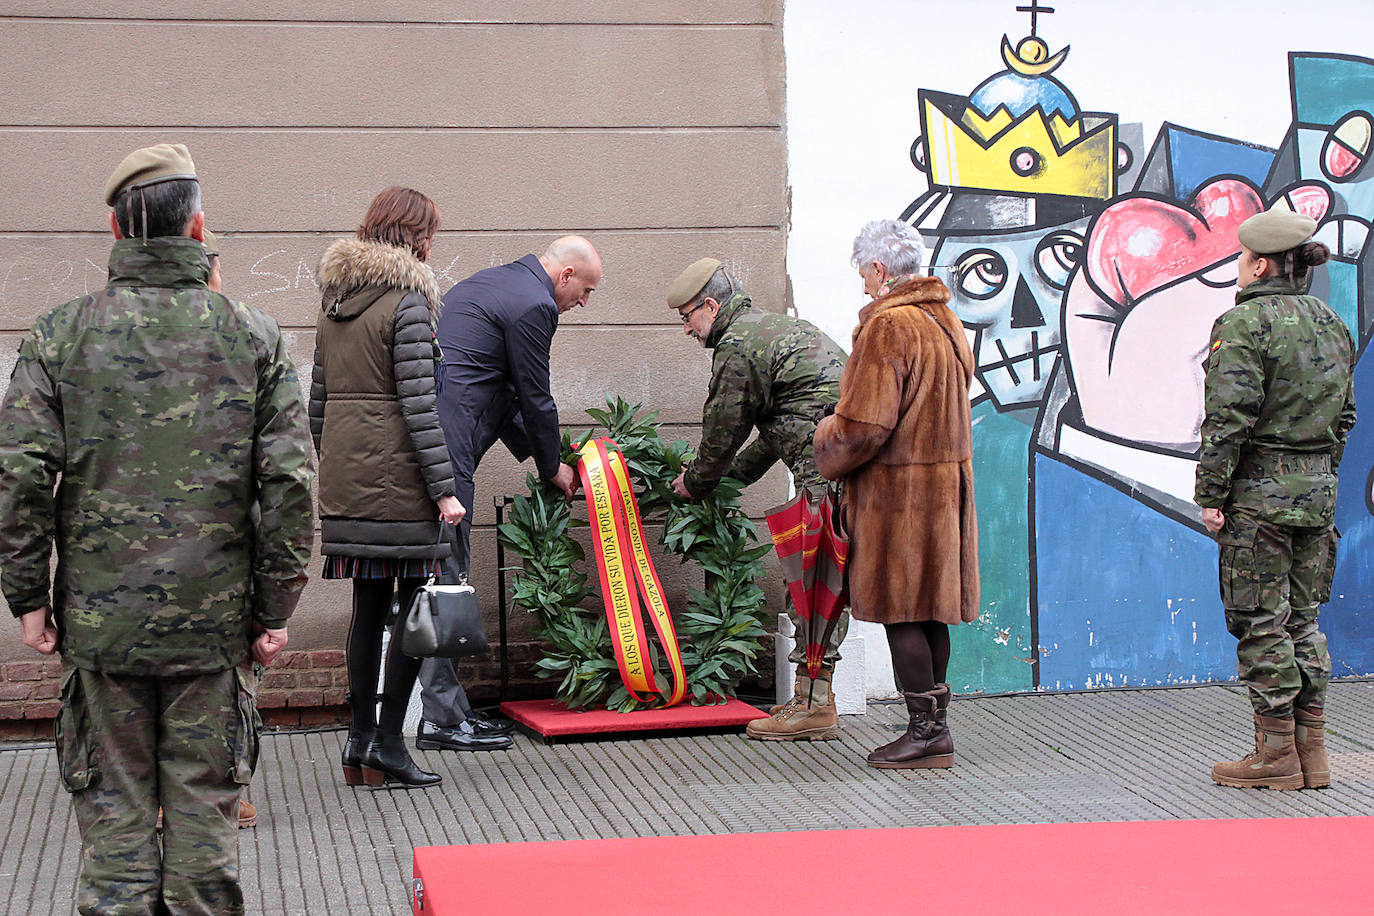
(575, 269)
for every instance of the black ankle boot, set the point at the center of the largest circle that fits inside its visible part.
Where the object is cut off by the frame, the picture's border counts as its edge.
(927, 743)
(386, 761)
(353, 755)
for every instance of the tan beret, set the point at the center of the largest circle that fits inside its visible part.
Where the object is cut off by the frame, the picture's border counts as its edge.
(1276, 230)
(690, 282)
(210, 242)
(150, 165)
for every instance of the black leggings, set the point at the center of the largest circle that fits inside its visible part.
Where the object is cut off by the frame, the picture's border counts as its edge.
(371, 605)
(920, 654)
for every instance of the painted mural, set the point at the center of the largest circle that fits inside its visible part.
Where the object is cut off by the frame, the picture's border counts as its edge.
(1088, 269)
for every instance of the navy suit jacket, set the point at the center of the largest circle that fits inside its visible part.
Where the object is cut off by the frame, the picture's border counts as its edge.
(495, 330)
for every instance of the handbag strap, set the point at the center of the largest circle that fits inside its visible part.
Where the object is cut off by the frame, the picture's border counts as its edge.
(438, 542)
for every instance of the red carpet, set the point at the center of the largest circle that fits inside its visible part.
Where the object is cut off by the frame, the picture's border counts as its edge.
(1153, 867)
(548, 718)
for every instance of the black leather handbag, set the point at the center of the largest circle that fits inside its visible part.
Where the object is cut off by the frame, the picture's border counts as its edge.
(444, 621)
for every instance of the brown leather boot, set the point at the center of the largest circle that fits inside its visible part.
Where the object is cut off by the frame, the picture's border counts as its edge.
(942, 695)
(1273, 764)
(1309, 735)
(815, 720)
(927, 743)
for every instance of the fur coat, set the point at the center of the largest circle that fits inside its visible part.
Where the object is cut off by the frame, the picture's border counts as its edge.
(901, 438)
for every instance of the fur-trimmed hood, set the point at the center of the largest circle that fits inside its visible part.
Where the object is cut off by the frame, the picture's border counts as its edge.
(350, 266)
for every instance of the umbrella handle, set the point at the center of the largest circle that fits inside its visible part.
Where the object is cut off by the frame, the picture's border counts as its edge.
(835, 489)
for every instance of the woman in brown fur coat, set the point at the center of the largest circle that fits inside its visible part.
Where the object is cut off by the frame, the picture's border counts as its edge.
(901, 439)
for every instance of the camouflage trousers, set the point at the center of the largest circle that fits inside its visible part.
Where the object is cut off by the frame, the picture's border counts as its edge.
(129, 744)
(1273, 580)
(806, 477)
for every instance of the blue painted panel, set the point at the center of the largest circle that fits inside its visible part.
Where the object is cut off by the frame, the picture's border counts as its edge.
(1348, 620)
(1125, 594)
(1195, 158)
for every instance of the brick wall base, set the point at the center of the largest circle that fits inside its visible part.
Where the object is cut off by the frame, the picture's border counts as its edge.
(303, 689)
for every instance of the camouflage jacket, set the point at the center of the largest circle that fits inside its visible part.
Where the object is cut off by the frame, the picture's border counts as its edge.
(169, 420)
(1279, 403)
(769, 371)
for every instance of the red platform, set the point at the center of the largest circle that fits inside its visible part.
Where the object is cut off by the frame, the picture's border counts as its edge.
(1146, 868)
(552, 721)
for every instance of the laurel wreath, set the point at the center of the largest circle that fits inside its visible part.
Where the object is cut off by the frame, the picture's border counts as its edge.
(721, 632)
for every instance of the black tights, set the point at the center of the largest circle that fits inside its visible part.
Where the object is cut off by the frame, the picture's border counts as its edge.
(371, 605)
(920, 654)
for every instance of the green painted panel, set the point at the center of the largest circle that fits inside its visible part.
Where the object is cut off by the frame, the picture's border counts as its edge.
(994, 652)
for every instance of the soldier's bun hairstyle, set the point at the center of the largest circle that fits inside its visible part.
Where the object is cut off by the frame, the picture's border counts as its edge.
(1296, 264)
(1312, 254)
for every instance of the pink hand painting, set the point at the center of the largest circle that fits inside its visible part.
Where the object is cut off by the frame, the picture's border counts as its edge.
(1138, 315)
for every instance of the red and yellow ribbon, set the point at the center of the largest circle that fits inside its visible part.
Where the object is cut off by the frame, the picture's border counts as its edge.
(617, 530)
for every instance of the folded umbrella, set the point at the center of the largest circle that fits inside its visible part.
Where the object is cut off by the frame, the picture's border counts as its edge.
(813, 551)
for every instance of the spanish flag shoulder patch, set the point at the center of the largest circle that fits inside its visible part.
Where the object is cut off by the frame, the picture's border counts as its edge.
(1216, 345)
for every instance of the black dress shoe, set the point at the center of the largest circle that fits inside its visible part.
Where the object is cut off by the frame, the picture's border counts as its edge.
(461, 737)
(484, 726)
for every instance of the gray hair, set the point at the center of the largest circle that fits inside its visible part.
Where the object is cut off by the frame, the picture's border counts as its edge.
(169, 206)
(720, 287)
(891, 243)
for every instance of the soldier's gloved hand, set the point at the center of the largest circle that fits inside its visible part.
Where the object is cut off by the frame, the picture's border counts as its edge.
(268, 644)
(38, 630)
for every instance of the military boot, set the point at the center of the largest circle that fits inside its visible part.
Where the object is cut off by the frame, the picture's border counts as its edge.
(927, 743)
(1273, 764)
(809, 715)
(776, 708)
(796, 692)
(1309, 735)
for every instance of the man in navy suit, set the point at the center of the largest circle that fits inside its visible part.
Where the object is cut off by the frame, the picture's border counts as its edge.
(495, 330)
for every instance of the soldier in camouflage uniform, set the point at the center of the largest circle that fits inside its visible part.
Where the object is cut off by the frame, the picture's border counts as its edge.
(1279, 404)
(779, 375)
(161, 413)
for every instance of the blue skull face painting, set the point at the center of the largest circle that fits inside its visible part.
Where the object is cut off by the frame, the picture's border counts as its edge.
(1008, 289)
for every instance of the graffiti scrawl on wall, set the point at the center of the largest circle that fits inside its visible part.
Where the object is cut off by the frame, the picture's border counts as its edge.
(1088, 270)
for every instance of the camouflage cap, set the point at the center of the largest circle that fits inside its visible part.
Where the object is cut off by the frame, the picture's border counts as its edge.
(690, 282)
(150, 165)
(210, 242)
(1276, 230)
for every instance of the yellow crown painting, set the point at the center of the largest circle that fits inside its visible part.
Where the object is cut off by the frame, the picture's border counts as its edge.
(1020, 132)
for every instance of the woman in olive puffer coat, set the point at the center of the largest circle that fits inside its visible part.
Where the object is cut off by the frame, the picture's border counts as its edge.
(385, 477)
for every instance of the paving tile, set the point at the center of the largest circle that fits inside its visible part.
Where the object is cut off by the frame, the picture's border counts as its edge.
(321, 847)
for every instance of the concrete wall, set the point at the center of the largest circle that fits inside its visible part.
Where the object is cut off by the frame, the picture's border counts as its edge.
(654, 128)
(1088, 282)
